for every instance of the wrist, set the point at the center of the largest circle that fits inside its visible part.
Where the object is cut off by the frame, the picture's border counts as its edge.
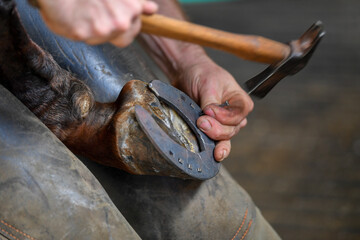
(191, 55)
(173, 57)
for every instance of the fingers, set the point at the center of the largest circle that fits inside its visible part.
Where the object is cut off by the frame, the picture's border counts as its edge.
(233, 114)
(96, 22)
(220, 133)
(222, 150)
(121, 23)
(211, 85)
(124, 39)
(222, 123)
(127, 24)
(226, 115)
(150, 7)
(217, 131)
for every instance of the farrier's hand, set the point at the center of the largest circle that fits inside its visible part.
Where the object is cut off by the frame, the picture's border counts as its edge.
(210, 85)
(96, 21)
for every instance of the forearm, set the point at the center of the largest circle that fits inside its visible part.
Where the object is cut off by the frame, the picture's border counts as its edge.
(171, 55)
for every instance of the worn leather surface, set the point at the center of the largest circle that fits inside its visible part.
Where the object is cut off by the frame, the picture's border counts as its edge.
(104, 68)
(170, 208)
(156, 207)
(45, 191)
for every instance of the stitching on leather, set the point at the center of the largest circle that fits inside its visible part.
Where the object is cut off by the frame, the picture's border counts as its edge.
(247, 230)
(9, 234)
(242, 223)
(17, 230)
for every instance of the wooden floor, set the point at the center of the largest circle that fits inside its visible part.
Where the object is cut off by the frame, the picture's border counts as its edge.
(299, 156)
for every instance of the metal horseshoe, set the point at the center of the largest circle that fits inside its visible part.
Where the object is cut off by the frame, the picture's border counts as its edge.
(201, 165)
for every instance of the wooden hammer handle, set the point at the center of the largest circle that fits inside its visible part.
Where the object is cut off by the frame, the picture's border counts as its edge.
(253, 48)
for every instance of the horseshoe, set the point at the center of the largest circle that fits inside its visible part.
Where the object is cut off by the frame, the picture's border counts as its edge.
(201, 165)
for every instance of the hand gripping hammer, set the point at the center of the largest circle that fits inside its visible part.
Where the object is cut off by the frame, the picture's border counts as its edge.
(285, 59)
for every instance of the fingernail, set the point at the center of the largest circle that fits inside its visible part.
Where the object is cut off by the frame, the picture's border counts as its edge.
(209, 112)
(224, 155)
(205, 125)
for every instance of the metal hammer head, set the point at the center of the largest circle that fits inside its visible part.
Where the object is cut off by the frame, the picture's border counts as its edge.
(301, 51)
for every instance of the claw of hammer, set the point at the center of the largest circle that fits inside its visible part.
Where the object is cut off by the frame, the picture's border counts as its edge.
(301, 51)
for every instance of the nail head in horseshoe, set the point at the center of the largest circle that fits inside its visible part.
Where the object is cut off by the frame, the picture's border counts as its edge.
(201, 165)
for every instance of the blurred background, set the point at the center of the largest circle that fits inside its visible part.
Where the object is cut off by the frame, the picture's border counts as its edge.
(299, 156)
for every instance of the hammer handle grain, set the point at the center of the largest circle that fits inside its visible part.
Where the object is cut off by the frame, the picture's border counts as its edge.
(253, 48)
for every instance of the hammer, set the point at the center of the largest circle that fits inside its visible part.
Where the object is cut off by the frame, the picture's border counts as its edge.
(284, 59)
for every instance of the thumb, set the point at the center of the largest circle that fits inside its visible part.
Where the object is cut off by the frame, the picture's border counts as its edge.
(208, 99)
(208, 102)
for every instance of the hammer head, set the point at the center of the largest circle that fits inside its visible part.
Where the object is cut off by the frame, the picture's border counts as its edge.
(301, 51)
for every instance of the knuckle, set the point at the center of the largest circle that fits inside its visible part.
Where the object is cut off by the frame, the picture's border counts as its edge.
(217, 134)
(136, 7)
(251, 105)
(235, 117)
(79, 33)
(248, 105)
(123, 24)
(223, 133)
(233, 132)
(101, 31)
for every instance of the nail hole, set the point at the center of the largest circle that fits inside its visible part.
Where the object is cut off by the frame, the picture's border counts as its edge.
(183, 98)
(171, 153)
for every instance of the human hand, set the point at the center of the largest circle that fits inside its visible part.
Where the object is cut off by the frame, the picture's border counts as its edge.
(211, 85)
(96, 21)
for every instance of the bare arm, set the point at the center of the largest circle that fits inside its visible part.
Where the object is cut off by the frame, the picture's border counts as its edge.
(191, 70)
